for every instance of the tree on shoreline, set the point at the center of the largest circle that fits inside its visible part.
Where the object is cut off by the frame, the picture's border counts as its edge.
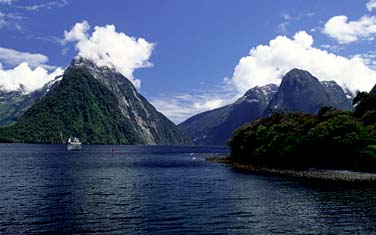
(331, 139)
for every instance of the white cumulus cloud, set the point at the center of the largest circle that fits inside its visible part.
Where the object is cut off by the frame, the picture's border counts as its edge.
(29, 70)
(107, 47)
(79, 32)
(23, 76)
(12, 58)
(268, 63)
(180, 107)
(345, 31)
(371, 5)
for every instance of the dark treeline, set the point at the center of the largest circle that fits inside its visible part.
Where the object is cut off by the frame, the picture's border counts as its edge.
(332, 139)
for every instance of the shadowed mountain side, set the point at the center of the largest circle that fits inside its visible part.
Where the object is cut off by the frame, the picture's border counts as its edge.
(216, 126)
(98, 105)
(14, 103)
(301, 92)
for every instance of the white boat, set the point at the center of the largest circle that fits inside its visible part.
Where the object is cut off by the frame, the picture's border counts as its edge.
(74, 144)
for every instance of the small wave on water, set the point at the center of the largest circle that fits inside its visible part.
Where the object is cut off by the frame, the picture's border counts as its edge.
(165, 190)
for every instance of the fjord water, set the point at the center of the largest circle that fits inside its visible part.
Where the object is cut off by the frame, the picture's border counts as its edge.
(165, 190)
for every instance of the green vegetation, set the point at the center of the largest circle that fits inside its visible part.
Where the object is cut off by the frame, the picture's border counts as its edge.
(82, 107)
(13, 104)
(332, 139)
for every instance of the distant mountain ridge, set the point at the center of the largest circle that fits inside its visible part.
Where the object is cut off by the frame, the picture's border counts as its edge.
(216, 126)
(14, 103)
(299, 91)
(96, 104)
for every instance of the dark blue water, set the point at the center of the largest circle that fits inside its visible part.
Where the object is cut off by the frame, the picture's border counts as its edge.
(165, 190)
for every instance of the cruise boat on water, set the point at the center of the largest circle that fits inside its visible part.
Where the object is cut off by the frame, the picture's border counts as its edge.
(74, 144)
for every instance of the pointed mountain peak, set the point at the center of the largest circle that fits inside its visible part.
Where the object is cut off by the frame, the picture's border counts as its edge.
(259, 93)
(300, 91)
(104, 74)
(297, 71)
(98, 105)
(298, 75)
(267, 89)
(79, 62)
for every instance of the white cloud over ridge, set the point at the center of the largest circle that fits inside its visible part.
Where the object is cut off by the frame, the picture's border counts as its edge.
(268, 63)
(179, 107)
(371, 5)
(29, 71)
(24, 77)
(107, 47)
(346, 32)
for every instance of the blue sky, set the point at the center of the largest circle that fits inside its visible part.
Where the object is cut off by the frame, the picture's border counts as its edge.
(199, 49)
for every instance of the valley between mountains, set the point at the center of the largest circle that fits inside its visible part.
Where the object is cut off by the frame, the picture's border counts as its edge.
(101, 106)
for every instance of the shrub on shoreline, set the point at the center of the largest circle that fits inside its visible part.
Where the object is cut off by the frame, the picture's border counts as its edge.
(332, 139)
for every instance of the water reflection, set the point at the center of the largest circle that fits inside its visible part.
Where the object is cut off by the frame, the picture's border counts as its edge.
(159, 190)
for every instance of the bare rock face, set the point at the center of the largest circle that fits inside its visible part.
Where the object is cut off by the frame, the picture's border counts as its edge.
(215, 127)
(301, 92)
(152, 126)
(339, 98)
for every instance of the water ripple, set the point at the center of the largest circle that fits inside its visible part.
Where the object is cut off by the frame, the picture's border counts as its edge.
(165, 190)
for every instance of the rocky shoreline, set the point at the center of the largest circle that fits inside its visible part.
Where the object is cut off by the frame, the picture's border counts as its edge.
(346, 176)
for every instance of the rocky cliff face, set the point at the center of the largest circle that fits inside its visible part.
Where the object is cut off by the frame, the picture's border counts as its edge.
(216, 126)
(337, 96)
(151, 125)
(98, 105)
(301, 92)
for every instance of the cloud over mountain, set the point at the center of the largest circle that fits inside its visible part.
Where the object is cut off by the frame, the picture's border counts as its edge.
(179, 107)
(107, 47)
(268, 63)
(29, 71)
(23, 76)
(13, 58)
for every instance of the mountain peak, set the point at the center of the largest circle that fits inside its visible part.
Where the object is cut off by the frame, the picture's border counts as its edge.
(297, 71)
(79, 61)
(97, 104)
(299, 75)
(94, 69)
(269, 88)
(104, 74)
(216, 126)
(301, 91)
